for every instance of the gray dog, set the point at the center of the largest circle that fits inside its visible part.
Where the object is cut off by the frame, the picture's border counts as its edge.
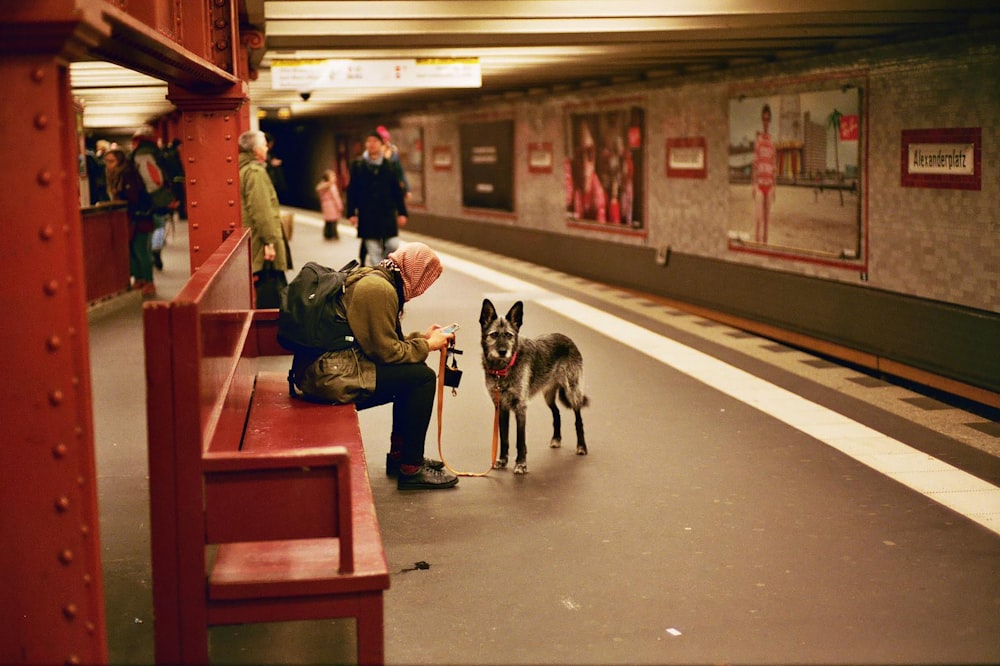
(518, 368)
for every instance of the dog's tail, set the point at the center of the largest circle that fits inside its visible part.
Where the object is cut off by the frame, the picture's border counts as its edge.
(584, 400)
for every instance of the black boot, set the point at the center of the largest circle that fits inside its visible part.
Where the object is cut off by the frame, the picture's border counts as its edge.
(330, 230)
(157, 260)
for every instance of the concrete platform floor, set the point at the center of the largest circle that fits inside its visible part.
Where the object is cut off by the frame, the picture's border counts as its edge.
(701, 529)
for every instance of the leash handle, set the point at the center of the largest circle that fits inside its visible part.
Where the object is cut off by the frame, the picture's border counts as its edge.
(440, 419)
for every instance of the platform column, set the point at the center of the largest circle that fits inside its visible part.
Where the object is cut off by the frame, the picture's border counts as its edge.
(50, 567)
(209, 128)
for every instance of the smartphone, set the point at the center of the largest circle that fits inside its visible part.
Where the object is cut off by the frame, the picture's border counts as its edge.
(448, 330)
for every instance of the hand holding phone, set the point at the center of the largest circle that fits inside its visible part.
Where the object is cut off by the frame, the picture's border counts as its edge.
(448, 330)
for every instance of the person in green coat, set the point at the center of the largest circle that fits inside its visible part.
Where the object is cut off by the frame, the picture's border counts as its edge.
(269, 250)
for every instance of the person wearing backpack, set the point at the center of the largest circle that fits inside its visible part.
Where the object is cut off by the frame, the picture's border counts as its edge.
(124, 184)
(151, 168)
(381, 365)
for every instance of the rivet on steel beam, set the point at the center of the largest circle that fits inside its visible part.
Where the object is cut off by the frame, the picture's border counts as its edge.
(232, 203)
(229, 158)
(226, 118)
(56, 397)
(70, 610)
(229, 181)
(72, 660)
(60, 450)
(190, 160)
(46, 232)
(62, 504)
(53, 343)
(193, 181)
(229, 137)
(91, 628)
(51, 288)
(85, 530)
(38, 75)
(195, 225)
(196, 248)
(44, 178)
(194, 204)
(41, 121)
(87, 579)
(66, 557)
(220, 23)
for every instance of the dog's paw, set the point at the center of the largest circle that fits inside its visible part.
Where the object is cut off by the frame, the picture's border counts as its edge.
(521, 468)
(581, 450)
(501, 463)
(555, 443)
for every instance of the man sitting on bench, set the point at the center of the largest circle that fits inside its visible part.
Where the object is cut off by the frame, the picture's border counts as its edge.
(384, 366)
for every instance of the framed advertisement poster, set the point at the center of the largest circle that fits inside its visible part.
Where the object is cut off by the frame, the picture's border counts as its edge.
(795, 172)
(605, 171)
(488, 165)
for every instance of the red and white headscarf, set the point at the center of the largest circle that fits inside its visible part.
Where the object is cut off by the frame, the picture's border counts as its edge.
(419, 267)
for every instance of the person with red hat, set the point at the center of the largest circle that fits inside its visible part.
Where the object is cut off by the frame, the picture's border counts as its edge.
(375, 201)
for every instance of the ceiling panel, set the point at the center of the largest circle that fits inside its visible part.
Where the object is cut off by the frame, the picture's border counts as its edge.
(532, 46)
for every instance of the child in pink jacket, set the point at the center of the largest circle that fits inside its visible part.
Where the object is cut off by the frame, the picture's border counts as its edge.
(330, 203)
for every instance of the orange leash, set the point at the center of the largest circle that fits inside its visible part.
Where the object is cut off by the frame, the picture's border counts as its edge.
(440, 419)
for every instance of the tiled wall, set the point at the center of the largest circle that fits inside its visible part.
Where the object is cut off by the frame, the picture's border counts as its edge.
(938, 244)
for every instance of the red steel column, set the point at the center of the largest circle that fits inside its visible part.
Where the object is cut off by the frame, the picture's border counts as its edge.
(209, 128)
(50, 567)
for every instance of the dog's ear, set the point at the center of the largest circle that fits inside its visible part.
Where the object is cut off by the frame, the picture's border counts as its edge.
(516, 314)
(488, 314)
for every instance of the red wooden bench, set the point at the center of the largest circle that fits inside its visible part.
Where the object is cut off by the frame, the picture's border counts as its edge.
(261, 505)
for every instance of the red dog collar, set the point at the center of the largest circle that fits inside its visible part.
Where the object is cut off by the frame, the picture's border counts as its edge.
(504, 371)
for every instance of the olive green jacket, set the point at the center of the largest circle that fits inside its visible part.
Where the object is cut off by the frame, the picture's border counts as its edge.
(261, 213)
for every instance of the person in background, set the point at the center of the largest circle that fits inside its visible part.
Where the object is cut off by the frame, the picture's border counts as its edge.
(375, 201)
(392, 154)
(96, 172)
(330, 203)
(175, 172)
(275, 170)
(147, 159)
(124, 184)
(269, 250)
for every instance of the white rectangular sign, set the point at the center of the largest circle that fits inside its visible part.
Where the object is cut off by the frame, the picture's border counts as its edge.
(953, 159)
(308, 75)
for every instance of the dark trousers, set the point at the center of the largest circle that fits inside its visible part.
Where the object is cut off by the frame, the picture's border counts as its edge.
(410, 387)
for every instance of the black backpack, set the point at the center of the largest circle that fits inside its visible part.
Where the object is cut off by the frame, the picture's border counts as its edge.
(307, 320)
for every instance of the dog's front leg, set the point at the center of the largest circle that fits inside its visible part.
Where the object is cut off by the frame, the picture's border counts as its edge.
(521, 463)
(501, 462)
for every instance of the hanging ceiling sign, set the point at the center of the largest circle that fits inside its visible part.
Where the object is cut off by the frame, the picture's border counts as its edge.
(308, 75)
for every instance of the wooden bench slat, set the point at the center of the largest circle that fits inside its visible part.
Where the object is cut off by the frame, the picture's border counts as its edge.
(305, 567)
(315, 423)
